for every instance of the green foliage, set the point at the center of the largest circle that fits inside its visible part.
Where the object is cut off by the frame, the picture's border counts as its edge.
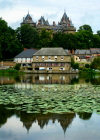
(98, 32)
(28, 36)
(84, 40)
(87, 66)
(17, 67)
(45, 38)
(9, 44)
(96, 63)
(67, 41)
(12, 41)
(85, 28)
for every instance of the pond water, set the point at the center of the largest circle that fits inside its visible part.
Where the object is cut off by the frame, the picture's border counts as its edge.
(49, 107)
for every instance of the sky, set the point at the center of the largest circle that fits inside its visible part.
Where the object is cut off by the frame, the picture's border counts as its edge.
(79, 11)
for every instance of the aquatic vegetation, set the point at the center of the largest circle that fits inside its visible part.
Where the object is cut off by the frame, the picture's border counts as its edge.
(51, 99)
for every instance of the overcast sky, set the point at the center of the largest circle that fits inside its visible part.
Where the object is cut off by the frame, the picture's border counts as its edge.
(80, 11)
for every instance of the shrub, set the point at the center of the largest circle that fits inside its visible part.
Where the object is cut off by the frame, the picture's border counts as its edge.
(87, 66)
(96, 63)
(17, 67)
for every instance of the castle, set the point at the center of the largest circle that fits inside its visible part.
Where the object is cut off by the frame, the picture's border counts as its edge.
(65, 25)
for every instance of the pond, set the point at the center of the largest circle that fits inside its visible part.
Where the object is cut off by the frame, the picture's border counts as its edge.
(49, 107)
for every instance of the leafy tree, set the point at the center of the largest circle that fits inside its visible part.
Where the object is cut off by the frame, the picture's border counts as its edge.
(98, 32)
(45, 38)
(28, 36)
(9, 44)
(96, 63)
(17, 66)
(67, 41)
(87, 65)
(96, 41)
(85, 28)
(84, 40)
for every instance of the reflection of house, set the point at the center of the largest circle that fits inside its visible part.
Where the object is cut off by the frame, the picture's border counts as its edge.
(51, 60)
(65, 25)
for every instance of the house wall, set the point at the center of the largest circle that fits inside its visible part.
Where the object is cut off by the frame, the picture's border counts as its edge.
(51, 58)
(46, 66)
(51, 63)
(23, 60)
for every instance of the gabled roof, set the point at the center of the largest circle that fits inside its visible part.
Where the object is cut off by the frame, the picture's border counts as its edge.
(28, 53)
(81, 52)
(51, 52)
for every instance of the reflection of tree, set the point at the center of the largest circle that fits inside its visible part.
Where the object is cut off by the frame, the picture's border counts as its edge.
(4, 115)
(85, 116)
(95, 81)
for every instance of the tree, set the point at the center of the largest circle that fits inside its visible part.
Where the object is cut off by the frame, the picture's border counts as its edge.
(98, 32)
(84, 40)
(9, 44)
(96, 63)
(67, 41)
(28, 36)
(85, 28)
(45, 38)
(96, 41)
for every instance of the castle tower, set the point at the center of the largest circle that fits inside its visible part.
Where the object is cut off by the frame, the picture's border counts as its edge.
(28, 20)
(66, 24)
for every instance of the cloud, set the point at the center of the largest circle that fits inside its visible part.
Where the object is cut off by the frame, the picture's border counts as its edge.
(80, 11)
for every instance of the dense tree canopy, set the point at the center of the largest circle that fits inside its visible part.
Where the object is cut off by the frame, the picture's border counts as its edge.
(13, 41)
(9, 44)
(85, 28)
(28, 36)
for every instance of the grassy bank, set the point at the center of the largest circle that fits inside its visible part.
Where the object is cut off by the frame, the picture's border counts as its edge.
(88, 72)
(10, 72)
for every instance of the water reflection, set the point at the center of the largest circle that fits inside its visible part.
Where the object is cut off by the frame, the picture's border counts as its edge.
(21, 126)
(64, 120)
(27, 80)
(28, 119)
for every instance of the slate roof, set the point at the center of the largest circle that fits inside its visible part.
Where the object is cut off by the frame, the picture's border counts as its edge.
(81, 52)
(26, 53)
(95, 51)
(51, 52)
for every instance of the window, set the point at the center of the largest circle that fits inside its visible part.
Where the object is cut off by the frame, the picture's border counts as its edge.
(43, 57)
(55, 57)
(61, 68)
(50, 68)
(62, 57)
(37, 57)
(49, 57)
